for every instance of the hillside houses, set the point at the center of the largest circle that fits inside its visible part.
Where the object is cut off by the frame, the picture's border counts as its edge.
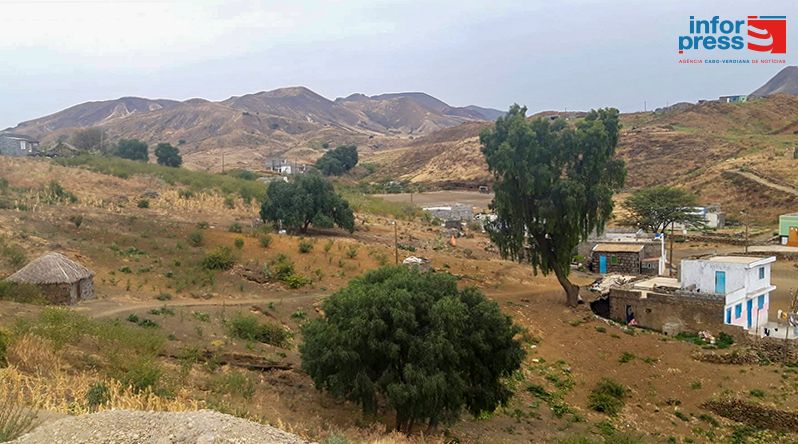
(710, 293)
(17, 145)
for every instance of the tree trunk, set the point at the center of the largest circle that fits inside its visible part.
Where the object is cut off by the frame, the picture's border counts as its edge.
(571, 290)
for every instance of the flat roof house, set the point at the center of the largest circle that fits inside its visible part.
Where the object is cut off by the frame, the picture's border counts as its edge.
(710, 293)
(17, 145)
(630, 258)
(788, 229)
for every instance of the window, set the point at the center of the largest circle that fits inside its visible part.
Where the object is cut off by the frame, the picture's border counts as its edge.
(738, 311)
(761, 272)
(760, 303)
(728, 315)
(614, 260)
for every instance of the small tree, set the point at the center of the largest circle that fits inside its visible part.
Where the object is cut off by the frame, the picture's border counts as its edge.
(553, 185)
(132, 149)
(338, 161)
(655, 208)
(416, 341)
(308, 199)
(167, 155)
(90, 139)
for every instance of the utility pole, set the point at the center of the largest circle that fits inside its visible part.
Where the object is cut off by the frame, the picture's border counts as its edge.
(746, 222)
(396, 241)
(670, 267)
(645, 106)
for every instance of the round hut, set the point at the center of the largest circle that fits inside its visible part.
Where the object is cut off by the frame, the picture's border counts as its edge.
(61, 280)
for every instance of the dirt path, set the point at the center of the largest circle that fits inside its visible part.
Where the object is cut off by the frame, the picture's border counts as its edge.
(762, 181)
(105, 309)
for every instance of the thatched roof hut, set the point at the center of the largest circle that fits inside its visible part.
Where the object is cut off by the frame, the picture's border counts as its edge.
(62, 280)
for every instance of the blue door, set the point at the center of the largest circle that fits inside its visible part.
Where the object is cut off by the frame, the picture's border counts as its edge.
(720, 282)
(750, 308)
(602, 264)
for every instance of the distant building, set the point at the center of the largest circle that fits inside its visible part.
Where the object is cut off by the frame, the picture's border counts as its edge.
(711, 293)
(286, 167)
(17, 145)
(452, 212)
(733, 99)
(788, 229)
(712, 215)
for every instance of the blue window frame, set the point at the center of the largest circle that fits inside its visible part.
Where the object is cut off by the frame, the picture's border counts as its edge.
(760, 303)
(728, 315)
(761, 272)
(738, 311)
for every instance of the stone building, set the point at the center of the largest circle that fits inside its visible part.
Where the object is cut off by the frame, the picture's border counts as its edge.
(711, 294)
(60, 279)
(17, 145)
(617, 258)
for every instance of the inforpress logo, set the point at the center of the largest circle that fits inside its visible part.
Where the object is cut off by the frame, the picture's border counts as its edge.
(765, 33)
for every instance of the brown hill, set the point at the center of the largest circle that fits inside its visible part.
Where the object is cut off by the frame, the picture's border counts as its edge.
(294, 122)
(785, 82)
(701, 147)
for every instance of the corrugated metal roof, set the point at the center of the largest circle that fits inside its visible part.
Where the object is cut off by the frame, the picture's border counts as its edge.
(618, 248)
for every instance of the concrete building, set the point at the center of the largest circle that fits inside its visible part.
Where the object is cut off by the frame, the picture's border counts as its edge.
(788, 229)
(733, 99)
(286, 167)
(17, 145)
(455, 211)
(712, 216)
(743, 281)
(711, 294)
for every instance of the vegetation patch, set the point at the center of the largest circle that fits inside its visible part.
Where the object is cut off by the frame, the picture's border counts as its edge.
(608, 397)
(249, 328)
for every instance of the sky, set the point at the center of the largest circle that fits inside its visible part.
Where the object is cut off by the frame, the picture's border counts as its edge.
(547, 55)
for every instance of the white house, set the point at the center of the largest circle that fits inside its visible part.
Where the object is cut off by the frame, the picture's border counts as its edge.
(712, 215)
(743, 280)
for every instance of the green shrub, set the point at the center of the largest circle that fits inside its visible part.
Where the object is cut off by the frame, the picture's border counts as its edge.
(305, 246)
(248, 327)
(14, 254)
(55, 193)
(328, 246)
(234, 383)
(235, 228)
(221, 259)
(757, 393)
(279, 268)
(195, 238)
(295, 281)
(143, 203)
(164, 297)
(239, 243)
(351, 252)
(265, 240)
(203, 225)
(626, 357)
(143, 374)
(608, 397)
(98, 395)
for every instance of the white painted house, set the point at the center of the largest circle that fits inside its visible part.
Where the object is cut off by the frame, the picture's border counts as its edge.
(743, 280)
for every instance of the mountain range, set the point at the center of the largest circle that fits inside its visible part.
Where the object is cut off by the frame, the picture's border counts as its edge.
(292, 121)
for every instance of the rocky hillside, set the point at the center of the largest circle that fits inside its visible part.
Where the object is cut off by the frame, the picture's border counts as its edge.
(702, 147)
(295, 122)
(785, 82)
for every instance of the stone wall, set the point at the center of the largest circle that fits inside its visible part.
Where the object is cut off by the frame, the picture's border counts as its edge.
(669, 313)
(756, 415)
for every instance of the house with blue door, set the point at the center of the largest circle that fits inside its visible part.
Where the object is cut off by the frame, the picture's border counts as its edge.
(743, 281)
(628, 258)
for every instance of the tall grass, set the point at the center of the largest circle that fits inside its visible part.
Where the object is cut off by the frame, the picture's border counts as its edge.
(194, 180)
(16, 419)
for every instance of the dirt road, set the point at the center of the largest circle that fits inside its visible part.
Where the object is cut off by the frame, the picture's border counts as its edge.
(432, 198)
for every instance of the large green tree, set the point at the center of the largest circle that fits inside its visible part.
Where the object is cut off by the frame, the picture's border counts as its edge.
(168, 155)
(553, 184)
(307, 199)
(132, 149)
(655, 208)
(414, 341)
(338, 161)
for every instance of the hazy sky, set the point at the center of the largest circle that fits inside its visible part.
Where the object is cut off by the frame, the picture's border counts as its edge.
(551, 54)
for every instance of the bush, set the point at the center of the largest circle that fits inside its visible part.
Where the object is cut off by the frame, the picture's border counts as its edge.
(248, 327)
(265, 240)
(23, 293)
(195, 238)
(295, 281)
(235, 227)
(279, 268)
(239, 243)
(351, 252)
(98, 395)
(221, 259)
(608, 397)
(305, 246)
(55, 193)
(203, 225)
(143, 203)
(142, 375)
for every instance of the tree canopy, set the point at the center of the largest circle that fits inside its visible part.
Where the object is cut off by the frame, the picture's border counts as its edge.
(655, 208)
(416, 341)
(307, 199)
(89, 139)
(338, 161)
(168, 155)
(553, 185)
(132, 149)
